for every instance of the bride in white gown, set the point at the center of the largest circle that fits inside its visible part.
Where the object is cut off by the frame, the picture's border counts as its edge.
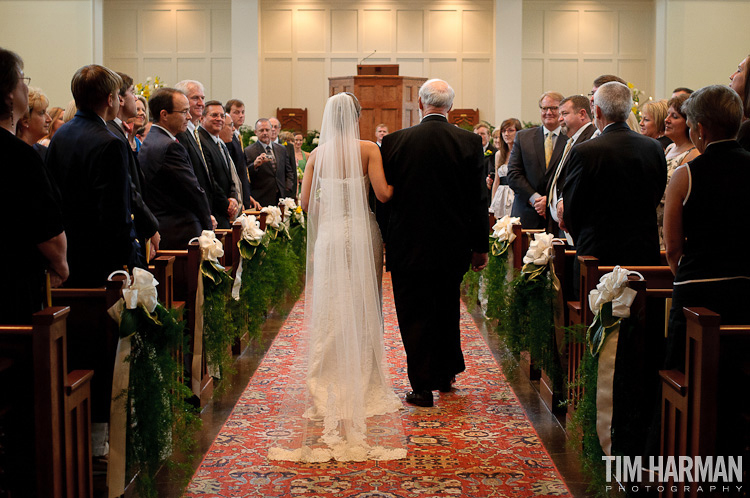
(351, 411)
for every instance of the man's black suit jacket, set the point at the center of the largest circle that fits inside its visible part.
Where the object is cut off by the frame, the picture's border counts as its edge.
(489, 159)
(90, 165)
(238, 156)
(146, 224)
(220, 171)
(527, 172)
(217, 198)
(266, 185)
(614, 183)
(438, 212)
(174, 194)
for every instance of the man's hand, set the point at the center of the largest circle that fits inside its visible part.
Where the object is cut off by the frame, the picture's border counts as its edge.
(478, 261)
(55, 280)
(260, 160)
(256, 205)
(540, 206)
(560, 212)
(155, 239)
(214, 224)
(489, 181)
(233, 206)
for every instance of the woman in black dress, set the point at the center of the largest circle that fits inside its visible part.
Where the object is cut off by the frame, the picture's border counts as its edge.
(35, 241)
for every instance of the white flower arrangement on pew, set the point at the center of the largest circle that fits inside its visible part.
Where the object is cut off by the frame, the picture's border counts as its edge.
(292, 213)
(252, 236)
(610, 302)
(274, 223)
(537, 258)
(502, 234)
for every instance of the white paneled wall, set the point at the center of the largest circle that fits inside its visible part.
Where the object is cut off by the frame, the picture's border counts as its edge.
(568, 44)
(171, 40)
(305, 43)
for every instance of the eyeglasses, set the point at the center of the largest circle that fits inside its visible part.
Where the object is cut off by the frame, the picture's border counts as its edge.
(215, 115)
(26, 79)
(549, 108)
(183, 112)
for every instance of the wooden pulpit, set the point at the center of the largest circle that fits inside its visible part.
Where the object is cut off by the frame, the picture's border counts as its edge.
(385, 98)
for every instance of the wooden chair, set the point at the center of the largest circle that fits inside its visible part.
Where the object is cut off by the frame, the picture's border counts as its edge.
(703, 411)
(48, 407)
(464, 117)
(291, 118)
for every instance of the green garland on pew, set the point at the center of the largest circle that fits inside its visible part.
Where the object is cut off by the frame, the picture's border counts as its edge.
(527, 324)
(583, 422)
(470, 286)
(279, 274)
(497, 286)
(219, 325)
(255, 292)
(160, 419)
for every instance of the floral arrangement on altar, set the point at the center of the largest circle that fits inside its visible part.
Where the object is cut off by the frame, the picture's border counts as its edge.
(311, 141)
(636, 100)
(150, 86)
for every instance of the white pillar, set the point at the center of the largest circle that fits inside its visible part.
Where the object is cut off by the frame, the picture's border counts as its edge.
(660, 50)
(97, 31)
(246, 55)
(508, 58)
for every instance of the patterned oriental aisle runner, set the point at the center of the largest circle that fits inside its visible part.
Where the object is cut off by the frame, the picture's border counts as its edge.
(475, 442)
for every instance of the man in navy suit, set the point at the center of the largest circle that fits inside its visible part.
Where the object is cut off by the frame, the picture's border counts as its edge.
(614, 183)
(235, 109)
(271, 170)
(174, 194)
(90, 165)
(535, 154)
(434, 160)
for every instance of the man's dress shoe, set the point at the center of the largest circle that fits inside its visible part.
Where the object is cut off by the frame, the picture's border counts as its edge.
(448, 386)
(419, 398)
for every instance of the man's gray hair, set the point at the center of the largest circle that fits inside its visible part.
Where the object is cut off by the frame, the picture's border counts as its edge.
(185, 85)
(437, 93)
(262, 120)
(615, 101)
(718, 108)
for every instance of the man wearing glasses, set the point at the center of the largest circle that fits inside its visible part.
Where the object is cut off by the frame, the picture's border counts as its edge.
(535, 154)
(174, 194)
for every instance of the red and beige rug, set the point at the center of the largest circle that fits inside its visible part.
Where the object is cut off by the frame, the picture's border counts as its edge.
(475, 442)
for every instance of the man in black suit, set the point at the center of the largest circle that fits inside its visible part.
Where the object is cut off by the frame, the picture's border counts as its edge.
(174, 194)
(535, 154)
(90, 165)
(488, 150)
(575, 120)
(218, 161)
(434, 160)
(235, 108)
(275, 131)
(217, 199)
(613, 185)
(271, 170)
(146, 225)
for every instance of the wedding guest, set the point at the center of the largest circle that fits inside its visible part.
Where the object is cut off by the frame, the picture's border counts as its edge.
(38, 242)
(70, 111)
(34, 124)
(653, 114)
(705, 274)
(738, 83)
(300, 157)
(678, 153)
(381, 130)
(91, 168)
(235, 110)
(681, 90)
(497, 139)
(56, 115)
(488, 150)
(502, 194)
(137, 122)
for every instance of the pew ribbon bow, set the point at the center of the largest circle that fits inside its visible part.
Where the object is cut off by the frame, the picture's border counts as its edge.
(502, 234)
(610, 301)
(538, 256)
(274, 221)
(138, 292)
(252, 238)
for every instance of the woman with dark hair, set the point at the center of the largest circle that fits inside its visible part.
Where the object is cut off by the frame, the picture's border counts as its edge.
(738, 83)
(679, 152)
(706, 274)
(502, 195)
(38, 240)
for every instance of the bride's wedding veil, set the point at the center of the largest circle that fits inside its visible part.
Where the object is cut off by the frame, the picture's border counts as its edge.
(346, 409)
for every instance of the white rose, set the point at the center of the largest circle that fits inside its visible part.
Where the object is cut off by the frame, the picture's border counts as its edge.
(211, 247)
(540, 249)
(316, 141)
(250, 228)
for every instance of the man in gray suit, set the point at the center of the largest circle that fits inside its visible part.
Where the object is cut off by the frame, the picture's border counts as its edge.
(272, 173)
(174, 194)
(535, 154)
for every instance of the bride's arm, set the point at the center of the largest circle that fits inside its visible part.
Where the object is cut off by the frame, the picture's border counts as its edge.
(383, 191)
(307, 181)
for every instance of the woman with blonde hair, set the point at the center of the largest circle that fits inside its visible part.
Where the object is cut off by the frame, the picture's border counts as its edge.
(34, 124)
(56, 115)
(653, 114)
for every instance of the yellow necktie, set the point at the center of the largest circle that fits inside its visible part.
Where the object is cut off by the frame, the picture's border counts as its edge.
(548, 146)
